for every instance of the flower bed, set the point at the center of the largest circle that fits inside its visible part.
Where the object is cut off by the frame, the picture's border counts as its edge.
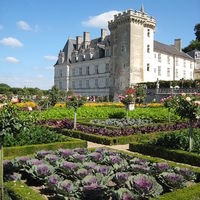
(102, 174)
(121, 122)
(103, 131)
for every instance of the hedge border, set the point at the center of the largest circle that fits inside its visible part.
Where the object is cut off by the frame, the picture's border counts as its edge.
(31, 149)
(20, 191)
(169, 154)
(106, 140)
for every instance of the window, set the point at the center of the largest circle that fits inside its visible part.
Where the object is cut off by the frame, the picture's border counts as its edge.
(73, 84)
(60, 72)
(80, 83)
(96, 83)
(80, 71)
(191, 65)
(148, 48)
(96, 69)
(176, 61)
(73, 72)
(87, 84)
(184, 64)
(60, 85)
(159, 57)
(184, 74)
(148, 32)
(107, 82)
(191, 75)
(107, 67)
(87, 70)
(168, 59)
(148, 67)
(159, 70)
(176, 73)
(168, 72)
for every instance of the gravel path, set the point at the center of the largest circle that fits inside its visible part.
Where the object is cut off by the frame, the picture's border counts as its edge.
(123, 147)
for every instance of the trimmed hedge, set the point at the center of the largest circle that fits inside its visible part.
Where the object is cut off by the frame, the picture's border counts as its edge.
(174, 155)
(189, 193)
(31, 149)
(20, 191)
(106, 140)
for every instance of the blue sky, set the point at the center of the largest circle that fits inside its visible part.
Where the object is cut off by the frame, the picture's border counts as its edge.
(32, 32)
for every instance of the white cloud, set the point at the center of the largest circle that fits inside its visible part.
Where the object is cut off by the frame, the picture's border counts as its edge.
(51, 58)
(10, 41)
(100, 21)
(24, 25)
(11, 59)
(49, 68)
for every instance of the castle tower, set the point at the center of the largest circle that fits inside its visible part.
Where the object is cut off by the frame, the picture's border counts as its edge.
(132, 36)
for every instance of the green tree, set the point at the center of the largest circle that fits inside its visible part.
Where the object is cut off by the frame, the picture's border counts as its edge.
(53, 95)
(197, 31)
(75, 101)
(194, 44)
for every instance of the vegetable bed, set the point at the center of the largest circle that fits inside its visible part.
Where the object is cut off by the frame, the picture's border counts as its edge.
(102, 174)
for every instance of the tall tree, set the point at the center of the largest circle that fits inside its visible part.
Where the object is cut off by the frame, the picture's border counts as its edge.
(197, 31)
(194, 44)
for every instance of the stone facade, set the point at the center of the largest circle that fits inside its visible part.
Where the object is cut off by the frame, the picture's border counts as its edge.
(105, 66)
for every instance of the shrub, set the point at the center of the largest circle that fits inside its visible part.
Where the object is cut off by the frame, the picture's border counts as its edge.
(34, 135)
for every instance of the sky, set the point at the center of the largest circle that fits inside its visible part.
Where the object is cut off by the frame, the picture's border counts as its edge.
(32, 32)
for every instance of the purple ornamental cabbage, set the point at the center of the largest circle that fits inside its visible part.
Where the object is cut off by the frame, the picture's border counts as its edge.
(79, 157)
(42, 170)
(34, 161)
(89, 165)
(65, 187)
(116, 159)
(145, 186)
(171, 180)
(139, 161)
(65, 152)
(81, 173)
(81, 151)
(95, 156)
(161, 167)
(90, 183)
(143, 183)
(103, 169)
(69, 167)
(41, 154)
(51, 158)
(121, 177)
(186, 173)
(139, 169)
(53, 179)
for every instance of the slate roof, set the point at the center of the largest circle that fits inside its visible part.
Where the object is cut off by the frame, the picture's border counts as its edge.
(170, 49)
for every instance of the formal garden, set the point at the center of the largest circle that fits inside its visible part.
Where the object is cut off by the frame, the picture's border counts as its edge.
(44, 153)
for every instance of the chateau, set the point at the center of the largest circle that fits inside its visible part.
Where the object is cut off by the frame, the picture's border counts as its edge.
(105, 66)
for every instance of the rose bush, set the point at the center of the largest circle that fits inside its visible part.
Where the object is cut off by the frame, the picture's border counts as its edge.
(187, 106)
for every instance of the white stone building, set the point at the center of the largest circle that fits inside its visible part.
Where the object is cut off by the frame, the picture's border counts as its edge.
(105, 66)
(195, 54)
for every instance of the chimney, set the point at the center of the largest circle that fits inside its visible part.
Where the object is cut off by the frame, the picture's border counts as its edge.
(103, 33)
(177, 44)
(86, 40)
(79, 41)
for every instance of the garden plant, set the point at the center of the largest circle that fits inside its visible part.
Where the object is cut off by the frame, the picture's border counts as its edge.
(187, 107)
(102, 174)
